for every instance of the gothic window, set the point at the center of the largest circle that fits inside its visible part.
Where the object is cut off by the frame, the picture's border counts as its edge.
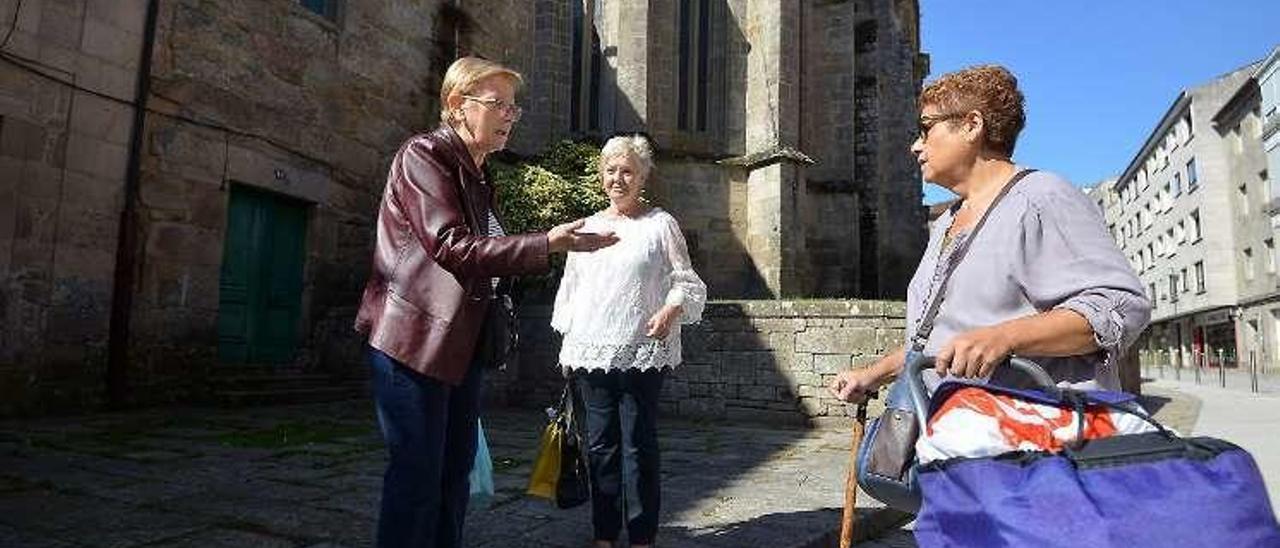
(864, 35)
(694, 65)
(587, 57)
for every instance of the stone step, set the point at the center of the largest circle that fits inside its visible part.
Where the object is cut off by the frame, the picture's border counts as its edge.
(269, 385)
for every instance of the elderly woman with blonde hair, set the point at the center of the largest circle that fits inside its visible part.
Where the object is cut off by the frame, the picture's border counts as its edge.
(620, 311)
(439, 253)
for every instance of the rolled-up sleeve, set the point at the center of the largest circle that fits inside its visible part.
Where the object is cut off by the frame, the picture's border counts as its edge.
(1067, 260)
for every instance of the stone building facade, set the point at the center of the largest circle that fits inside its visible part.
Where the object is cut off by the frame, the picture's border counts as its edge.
(118, 238)
(228, 221)
(783, 129)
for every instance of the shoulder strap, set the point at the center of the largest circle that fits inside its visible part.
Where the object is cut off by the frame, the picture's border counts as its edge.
(926, 323)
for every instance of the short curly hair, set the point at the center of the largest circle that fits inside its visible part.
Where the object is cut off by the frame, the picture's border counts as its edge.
(636, 145)
(989, 89)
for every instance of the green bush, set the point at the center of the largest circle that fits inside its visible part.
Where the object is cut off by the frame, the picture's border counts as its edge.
(558, 186)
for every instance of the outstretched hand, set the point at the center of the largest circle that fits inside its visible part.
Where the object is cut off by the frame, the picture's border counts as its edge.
(569, 237)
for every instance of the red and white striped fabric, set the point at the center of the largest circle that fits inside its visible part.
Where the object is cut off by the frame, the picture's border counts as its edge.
(976, 423)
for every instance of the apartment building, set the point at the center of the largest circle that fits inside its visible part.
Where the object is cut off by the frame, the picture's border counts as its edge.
(1250, 121)
(1268, 78)
(1189, 213)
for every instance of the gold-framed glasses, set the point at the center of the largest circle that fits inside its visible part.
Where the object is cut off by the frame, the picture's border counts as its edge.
(509, 110)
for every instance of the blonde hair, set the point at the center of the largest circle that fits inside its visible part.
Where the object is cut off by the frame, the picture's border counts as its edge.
(636, 145)
(465, 73)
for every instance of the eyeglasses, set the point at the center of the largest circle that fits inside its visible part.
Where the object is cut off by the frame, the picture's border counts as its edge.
(509, 110)
(928, 121)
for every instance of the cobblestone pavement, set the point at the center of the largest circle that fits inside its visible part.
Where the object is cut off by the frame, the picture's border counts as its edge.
(309, 476)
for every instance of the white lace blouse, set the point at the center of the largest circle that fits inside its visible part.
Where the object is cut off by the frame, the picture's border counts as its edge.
(606, 297)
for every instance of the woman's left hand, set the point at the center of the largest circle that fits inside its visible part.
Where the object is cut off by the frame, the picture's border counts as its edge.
(659, 325)
(976, 353)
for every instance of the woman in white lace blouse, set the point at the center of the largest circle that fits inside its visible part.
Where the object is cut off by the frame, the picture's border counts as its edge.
(620, 311)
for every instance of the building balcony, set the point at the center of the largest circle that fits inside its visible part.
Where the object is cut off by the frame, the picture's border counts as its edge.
(1271, 126)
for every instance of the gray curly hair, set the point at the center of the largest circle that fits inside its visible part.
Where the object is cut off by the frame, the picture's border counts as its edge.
(636, 145)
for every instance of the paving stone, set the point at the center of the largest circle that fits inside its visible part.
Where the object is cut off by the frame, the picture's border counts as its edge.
(10, 536)
(218, 537)
(724, 484)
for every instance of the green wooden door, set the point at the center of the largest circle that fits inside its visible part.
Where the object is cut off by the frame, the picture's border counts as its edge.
(260, 295)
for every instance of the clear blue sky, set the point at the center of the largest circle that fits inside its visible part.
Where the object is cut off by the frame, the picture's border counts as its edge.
(1097, 74)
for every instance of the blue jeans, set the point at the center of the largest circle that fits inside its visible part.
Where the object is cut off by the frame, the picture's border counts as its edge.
(430, 431)
(622, 438)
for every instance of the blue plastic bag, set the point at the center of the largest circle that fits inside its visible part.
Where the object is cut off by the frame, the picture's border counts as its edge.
(481, 472)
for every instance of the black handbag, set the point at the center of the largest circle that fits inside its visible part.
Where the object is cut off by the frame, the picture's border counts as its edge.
(501, 331)
(887, 453)
(574, 485)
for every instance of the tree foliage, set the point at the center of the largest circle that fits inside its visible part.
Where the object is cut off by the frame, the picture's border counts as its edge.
(558, 186)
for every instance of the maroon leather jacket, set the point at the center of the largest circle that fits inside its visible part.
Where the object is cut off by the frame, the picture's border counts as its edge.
(432, 263)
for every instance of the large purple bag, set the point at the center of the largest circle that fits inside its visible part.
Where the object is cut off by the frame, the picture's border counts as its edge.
(1138, 490)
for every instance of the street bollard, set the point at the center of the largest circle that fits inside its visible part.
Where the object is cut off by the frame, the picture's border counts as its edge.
(1253, 372)
(1177, 366)
(1198, 360)
(1222, 370)
(1159, 363)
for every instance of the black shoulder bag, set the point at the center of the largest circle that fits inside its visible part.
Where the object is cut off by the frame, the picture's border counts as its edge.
(500, 332)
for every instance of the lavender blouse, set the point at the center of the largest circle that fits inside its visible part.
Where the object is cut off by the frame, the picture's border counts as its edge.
(1044, 247)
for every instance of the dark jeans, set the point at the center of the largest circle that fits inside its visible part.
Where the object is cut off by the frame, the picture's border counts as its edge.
(430, 431)
(622, 437)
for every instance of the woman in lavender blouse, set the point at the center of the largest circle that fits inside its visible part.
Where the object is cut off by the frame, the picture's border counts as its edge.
(1042, 279)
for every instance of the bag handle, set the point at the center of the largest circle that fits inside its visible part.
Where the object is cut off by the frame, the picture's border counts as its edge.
(1076, 399)
(926, 323)
(567, 396)
(920, 398)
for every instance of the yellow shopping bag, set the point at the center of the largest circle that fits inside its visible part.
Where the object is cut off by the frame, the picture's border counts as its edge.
(546, 470)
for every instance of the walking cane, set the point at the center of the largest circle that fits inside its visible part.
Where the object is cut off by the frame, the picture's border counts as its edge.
(849, 518)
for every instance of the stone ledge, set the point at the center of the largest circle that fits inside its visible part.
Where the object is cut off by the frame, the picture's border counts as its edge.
(817, 308)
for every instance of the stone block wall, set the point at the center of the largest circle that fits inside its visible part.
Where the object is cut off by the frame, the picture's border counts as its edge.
(262, 94)
(832, 231)
(62, 166)
(709, 201)
(272, 96)
(761, 361)
(887, 79)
